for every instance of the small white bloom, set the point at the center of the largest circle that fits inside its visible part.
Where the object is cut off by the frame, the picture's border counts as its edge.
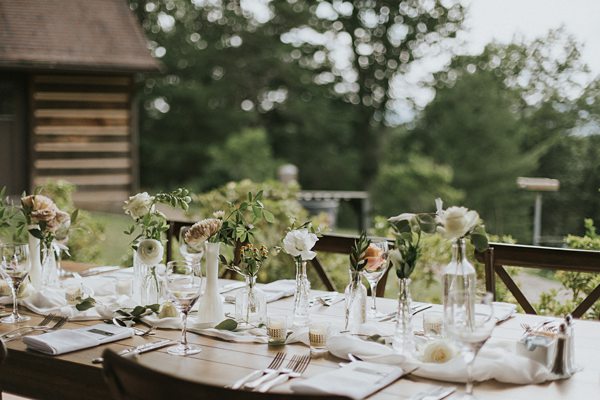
(438, 351)
(456, 222)
(395, 257)
(139, 205)
(150, 252)
(220, 214)
(299, 242)
(402, 217)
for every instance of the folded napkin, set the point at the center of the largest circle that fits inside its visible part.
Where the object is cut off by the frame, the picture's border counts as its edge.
(497, 360)
(356, 380)
(253, 335)
(273, 291)
(67, 340)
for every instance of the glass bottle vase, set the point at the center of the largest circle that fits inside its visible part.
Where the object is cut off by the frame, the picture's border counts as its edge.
(404, 340)
(251, 304)
(301, 296)
(356, 303)
(147, 285)
(459, 277)
(49, 267)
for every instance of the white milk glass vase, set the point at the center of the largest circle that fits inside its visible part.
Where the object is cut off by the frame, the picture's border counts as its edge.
(211, 305)
(35, 254)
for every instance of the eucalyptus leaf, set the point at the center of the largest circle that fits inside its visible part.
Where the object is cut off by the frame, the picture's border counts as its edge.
(227, 325)
(86, 304)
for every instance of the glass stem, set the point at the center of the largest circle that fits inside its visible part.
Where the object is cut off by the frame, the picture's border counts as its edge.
(184, 342)
(469, 386)
(15, 311)
(373, 296)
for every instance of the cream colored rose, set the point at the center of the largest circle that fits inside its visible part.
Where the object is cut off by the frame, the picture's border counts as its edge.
(456, 222)
(299, 242)
(150, 252)
(139, 205)
(42, 208)
(61, 221)
(168, 310)
(438, 351)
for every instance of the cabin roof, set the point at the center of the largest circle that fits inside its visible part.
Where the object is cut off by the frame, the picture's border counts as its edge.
(78, 35)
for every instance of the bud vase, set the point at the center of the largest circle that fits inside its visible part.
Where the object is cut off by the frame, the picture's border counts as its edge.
(356, 303)
(35, 252)
(210, 308)
(301, 316)
(459, 277)
(147, 287)
(251, 304)
(49, 268)
(404, 341)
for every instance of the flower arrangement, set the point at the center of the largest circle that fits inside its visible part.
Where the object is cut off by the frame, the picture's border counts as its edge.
(203, 231)
(251, 260)
(299, 242)
(151, 222)
(408, 229)
(460, 222)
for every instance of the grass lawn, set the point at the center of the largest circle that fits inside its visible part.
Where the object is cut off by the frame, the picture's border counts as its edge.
(115, 244)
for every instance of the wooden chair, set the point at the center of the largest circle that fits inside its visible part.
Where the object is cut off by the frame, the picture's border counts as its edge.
(499, 255)
(328, 243)
(128, 380)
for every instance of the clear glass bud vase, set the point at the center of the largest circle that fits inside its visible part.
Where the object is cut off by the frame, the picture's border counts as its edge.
(147, 285)
(356, 303)
(301, 316)
(404, 340)
(459, 277)
(49, 267)
(251, 304)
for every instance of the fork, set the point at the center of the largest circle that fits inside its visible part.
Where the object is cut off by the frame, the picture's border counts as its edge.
(273, 366)
(57, 325)
(296, 371)
(436, 393)
(43, 323)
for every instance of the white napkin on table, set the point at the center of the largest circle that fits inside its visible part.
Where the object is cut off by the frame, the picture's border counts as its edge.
(273, 291)
(496, 360)
(67, 340)
(356, 380)
(253, 335)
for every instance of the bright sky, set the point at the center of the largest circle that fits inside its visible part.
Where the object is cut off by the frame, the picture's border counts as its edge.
(502, 19)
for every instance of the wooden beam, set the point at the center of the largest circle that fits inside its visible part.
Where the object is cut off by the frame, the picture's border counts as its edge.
(82, 113)
(87, 180)
(83, 163)
(514, 289)
(82, 130)
(82, 96)
(79, 80)
(587, 303)
(100, 196)
(83, 147)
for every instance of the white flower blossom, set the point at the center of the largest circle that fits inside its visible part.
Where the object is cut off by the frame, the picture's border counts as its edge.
(139, 205)
(438, 351)
(150, 252)
(455, 222)
(299, 243)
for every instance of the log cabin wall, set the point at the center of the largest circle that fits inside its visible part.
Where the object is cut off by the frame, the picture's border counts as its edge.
(83, 132)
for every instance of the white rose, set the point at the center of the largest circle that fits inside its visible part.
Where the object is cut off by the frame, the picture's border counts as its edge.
(139, 205)
(438, 351)
(42, 208)
(150, 252)
(299, 242)
(456, 222)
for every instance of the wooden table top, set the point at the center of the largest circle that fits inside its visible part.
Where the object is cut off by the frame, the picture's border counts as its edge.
(73, 376)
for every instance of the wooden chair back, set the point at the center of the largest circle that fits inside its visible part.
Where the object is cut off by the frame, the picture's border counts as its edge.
(500, 255)
(128, 380)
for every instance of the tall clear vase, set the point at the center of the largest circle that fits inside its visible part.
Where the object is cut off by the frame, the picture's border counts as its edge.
(301, 296)
(459, 278)
(49, 268)
(147, 286)
(404, 340)
(251, 304)
(356, 303)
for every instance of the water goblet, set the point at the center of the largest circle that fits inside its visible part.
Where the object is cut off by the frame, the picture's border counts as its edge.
(377, 263)
(188, 252)
(184, 284)
(470, 332)
(15, 267)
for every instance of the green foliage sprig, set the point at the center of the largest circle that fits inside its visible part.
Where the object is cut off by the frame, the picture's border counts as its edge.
(408, 229)
(357, 252)
(251, 260)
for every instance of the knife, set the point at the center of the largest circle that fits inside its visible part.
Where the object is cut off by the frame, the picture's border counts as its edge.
(98, 270)
(231, 286)
(143, 348)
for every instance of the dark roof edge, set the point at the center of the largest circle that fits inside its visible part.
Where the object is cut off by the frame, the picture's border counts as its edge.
(45, 66)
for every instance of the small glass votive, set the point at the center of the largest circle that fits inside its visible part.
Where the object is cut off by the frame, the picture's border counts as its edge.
(277, 329)
(432, 323)
(317, 336)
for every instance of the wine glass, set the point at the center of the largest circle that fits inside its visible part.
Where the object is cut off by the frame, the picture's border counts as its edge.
(15, 267)
(470, 327)
(377, 263)
(190, 253)
(183, 282)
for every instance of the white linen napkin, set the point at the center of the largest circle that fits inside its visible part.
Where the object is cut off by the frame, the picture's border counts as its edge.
(253, 335)
(497, 360)
(356, 380)
(273, 291)
(67, 340)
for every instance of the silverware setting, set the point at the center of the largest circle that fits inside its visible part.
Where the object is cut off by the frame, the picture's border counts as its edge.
(143, 348)
(435, 393)
(273, 366)
(294, 369)
(414, 310)
(44, 326)
(324, 300)
(269, 373)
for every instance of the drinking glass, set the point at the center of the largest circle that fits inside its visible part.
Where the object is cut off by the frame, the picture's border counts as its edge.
(14, 269)
(377, 263)
(189, 253)
(470, 332)
(184, 284)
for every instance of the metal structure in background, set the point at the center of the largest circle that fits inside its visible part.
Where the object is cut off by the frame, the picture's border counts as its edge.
(538, 185)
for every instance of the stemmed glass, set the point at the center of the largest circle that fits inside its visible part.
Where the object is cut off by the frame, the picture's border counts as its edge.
(183, 282)
(376, 257)
(470, 327)
(14, 269)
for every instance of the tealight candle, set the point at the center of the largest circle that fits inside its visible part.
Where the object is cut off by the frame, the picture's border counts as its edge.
(277, 329)
(432, 323)
(317, 335)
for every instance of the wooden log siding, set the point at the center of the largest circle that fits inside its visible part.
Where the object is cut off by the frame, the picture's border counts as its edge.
(81, 130)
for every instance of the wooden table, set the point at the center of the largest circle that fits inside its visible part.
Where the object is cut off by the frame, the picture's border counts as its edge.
(73, 376)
